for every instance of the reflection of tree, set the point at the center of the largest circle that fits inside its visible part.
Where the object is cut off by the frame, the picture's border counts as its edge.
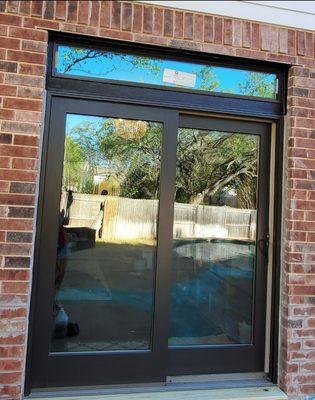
(207, 163)
(77, 59)
(258, 84)
(95, 62)
(77, 172)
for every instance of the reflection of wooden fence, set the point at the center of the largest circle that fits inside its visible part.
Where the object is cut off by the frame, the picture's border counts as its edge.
(126, 219)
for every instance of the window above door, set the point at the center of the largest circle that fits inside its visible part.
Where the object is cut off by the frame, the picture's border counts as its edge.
(97, 63)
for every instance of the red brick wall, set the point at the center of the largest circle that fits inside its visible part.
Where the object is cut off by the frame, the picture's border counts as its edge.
(23, 40)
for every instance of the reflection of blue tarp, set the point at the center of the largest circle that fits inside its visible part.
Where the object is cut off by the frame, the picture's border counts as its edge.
(189, 298)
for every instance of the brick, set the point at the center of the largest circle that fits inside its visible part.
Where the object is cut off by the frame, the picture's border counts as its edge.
(15, 224)
(265, 37)
(168, 22)
(24, 80)
(16, 199)
(116, 15)
(179, 24)
(8, 66)
(34, 46)
(24, 56)
(309, 44)
(5, 138)
(237, 33)
(36, 23)
(291, 42)
(228, 33)
(157, 21)
(61, 9)
(20, 127)
(20, 237)
(12, 6)
(198, 27)
(26, 140)
(3, 30)
(10, 20)
(105, 13)
(95, 13)
(246, 34)
(150, 39)
(16, 312)
(29, 92)
(26, 33)
(84, 29)
(10, 377)
(147, 19)
(22, 104)
(49, 9)
(72, 11)
(4, 186)
(14, 288)
(19, 187)
(24, 163)
(208, 29)
(16, 262)
(7, 90)
(84, 10)
(218, 30)
(37, 8)
(188, 26)
(17, 175)
(11, 351)
(184, 44)
(9, 43)
(283, 40)
(11, 365)
(4, 162)
(116, 34)
(137, 18)
(300, 43)
(127, 17)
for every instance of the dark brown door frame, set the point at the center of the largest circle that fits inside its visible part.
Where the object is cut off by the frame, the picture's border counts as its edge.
(91, 368)
(101, 368)
(77, 90)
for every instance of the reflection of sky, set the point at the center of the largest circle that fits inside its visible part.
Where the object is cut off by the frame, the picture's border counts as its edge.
(77, 119)
(121, 68)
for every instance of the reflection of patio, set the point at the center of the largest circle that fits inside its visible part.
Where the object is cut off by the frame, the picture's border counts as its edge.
(107, 290)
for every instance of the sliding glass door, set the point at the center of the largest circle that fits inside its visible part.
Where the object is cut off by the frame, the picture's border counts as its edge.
(219, 263)
(151, 252)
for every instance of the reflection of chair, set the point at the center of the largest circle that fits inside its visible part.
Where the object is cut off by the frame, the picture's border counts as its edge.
(81, 237)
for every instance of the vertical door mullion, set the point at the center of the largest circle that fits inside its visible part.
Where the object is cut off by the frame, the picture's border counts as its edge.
(165, 239)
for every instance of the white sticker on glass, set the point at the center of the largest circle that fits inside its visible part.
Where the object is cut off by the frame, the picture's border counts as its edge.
(179, 77)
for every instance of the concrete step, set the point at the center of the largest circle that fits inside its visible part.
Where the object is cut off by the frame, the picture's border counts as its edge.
(259, 393)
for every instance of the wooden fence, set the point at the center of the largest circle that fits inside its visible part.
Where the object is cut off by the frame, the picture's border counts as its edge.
(132, 219)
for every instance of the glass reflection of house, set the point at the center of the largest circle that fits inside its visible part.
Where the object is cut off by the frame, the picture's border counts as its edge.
(106, 182)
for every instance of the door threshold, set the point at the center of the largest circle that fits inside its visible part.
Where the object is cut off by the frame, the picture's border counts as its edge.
(271, 392)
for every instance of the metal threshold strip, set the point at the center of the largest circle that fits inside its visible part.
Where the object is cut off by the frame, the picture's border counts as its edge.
(252, 393)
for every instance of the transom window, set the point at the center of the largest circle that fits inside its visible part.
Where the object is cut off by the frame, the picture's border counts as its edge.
(102, 64)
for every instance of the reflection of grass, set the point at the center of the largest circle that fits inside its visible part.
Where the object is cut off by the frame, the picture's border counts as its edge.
(135, 242)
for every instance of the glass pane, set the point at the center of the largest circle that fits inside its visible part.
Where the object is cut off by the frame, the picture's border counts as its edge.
(106, 257)
(214, 238)
(96, 63)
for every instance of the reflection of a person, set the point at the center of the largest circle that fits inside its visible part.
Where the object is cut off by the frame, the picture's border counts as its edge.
(63, 327)
(104, 192)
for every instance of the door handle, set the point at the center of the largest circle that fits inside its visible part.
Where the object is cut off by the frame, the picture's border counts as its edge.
(263, 245)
